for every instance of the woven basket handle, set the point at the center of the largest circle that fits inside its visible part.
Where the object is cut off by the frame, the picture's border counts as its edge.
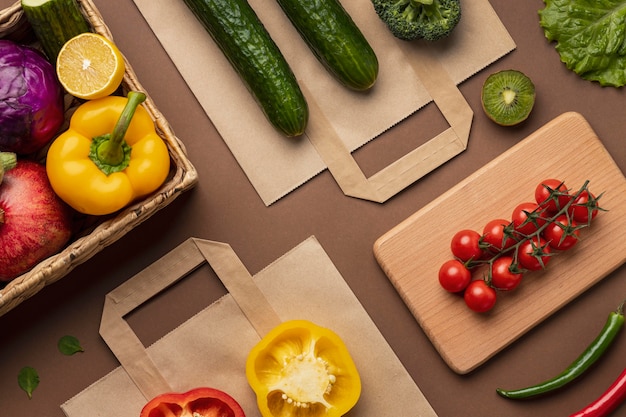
(160, 275)
(403, 172)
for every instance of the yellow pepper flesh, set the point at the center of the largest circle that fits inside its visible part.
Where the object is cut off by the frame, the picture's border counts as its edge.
(304, 370)
(81, 183)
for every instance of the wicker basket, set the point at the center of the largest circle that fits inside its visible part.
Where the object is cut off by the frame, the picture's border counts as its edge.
(97, 232)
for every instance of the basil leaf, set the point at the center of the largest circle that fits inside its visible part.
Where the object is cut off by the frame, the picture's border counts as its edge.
(590, 37)
(28, 379)
(69, 345)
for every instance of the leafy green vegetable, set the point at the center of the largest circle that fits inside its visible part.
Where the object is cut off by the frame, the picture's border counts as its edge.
(69, 345)
(589, 36)
(28, 379)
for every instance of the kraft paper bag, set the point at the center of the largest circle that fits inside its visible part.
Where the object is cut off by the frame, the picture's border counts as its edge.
(411, 75)
(210, 349)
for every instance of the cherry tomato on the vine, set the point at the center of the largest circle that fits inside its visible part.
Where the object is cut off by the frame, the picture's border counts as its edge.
(465, 245)
(552, 194)
(510, 248)
(503, 274)
(562, 233)
(454, 276)
(479, 296)
(497, 234)
(534, 253)
(528, 217)
(583, 206)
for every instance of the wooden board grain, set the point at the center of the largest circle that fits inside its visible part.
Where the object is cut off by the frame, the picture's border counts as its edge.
(410, 253)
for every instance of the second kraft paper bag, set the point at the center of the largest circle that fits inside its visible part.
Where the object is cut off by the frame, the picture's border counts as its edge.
(210, 349)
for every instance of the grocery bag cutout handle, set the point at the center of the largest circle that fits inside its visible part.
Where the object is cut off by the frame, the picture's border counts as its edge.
(157, 277)
(409, 168)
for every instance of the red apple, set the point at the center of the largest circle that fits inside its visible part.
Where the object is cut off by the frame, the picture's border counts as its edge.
(34, 222)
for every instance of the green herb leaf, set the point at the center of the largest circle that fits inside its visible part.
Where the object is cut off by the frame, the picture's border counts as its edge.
(28, 379)
(69, 345)
(590, 37)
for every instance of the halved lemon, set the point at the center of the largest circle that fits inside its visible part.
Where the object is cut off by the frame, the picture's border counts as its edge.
(90, 66)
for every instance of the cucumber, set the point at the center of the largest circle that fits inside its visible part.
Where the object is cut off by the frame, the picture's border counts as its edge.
(54, 23)
(254, 55)
(335, 39)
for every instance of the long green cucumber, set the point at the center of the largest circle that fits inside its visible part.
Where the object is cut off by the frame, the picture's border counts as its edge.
(335, 39)
(54, 23)
(254, 55)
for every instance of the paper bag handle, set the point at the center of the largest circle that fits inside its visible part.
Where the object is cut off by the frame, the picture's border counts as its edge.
(160, 275)
(403, 172)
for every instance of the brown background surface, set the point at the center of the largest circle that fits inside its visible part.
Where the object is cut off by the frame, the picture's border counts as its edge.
(225, 207)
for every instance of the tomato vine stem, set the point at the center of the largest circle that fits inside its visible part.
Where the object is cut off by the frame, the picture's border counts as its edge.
(521, 238)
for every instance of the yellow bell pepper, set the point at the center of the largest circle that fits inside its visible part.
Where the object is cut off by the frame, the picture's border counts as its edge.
(302, 369)
(110, 155)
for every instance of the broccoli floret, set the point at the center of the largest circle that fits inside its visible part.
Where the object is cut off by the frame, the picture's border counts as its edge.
(419, 19)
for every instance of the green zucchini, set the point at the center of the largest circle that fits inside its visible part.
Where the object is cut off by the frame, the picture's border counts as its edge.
(254, 55)
(335, 40)
(54, 23)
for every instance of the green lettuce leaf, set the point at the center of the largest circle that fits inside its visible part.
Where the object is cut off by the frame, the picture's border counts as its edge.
(590, 37)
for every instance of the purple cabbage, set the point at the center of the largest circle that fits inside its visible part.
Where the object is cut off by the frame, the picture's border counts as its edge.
(31, 99)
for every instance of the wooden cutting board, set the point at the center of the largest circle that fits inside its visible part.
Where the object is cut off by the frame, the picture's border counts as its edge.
(410, 253)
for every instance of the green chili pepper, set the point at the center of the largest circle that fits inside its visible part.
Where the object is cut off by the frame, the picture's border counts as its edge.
(592, 353)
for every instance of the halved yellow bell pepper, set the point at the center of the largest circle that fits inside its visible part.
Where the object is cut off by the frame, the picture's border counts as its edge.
(302, 369)
(110, 155)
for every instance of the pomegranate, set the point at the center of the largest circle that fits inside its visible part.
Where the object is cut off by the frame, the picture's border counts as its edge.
(34, 222)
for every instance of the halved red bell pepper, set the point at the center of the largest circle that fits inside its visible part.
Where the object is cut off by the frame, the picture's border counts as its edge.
(199, 402)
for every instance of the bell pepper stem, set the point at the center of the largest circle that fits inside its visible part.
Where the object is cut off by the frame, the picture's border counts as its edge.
(110, 152)
(135, 98)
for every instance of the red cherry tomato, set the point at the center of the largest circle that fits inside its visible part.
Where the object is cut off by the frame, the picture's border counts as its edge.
(562, 233)
(528, 217)
(497, 234)
(479, 296)
(552, 194)
(465, 245)
(454, 276)
(584, 207)
(534, 253)
(503, 274)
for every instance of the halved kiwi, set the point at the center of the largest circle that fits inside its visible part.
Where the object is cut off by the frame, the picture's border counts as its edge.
(508, 97)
